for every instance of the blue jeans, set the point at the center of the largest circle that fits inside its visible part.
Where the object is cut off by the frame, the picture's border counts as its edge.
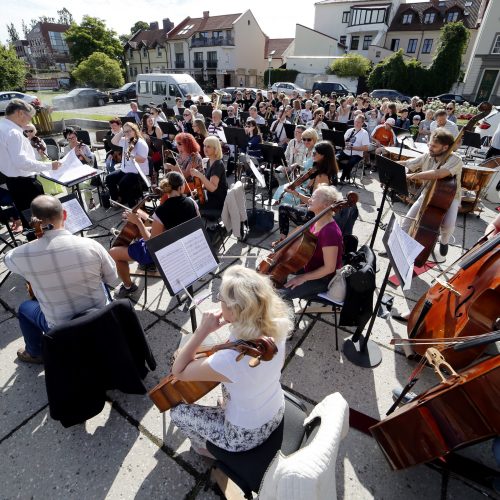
(33, 325)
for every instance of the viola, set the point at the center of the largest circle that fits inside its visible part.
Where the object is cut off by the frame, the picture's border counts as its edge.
(299, 180)
(170, 392)
(466, 305)
(129, 231)
(295, 251)
(197, 184)
(460, 410)
(439, 196)
(130, 148)
(38, 144)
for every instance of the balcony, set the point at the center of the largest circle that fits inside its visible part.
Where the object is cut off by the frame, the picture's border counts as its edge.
(211, 42)
(179, 64)
(211, 64)
(198, 64)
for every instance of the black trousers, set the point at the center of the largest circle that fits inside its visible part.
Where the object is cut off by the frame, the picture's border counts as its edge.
(492, 152)
(126, 186)
(23, 191)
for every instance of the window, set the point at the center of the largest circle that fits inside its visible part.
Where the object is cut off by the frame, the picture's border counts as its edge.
(496, 45)
(158, 51)
(174, 91)
(131, 53)
(429, 17)
(203, 34)
(366, 16)
(198, 56)
(412, 46)
(186, 29)
(217, 34)
(58, 43)
(354, 42)
(427, 46)
(345, 17)
(407, 18)
(367, 40)
(395, 44)
(143, 86)
(145, 52)
(452, 17)
(343, 39)
(158, 88)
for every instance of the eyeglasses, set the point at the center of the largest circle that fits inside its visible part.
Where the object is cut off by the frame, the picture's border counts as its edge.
(449, 109)
(127, 130)
(306, 139)
(186, 114)
(219, 298)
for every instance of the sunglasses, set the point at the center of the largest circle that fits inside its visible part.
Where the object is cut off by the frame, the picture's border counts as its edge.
(187, 114)
(449, 109)
(306, 139)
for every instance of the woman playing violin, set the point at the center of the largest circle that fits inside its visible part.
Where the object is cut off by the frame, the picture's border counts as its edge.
(327, 257)
(189, 158)
(37, 143)
(172, 212)
(326, 173)
(253, 402)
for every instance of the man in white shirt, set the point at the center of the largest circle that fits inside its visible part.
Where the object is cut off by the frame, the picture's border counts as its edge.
(357, 141)
(278, 127)
(495, 144)
(66, 273)
(17, 156)
(441, 121)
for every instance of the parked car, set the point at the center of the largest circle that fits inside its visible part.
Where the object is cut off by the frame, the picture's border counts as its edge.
(487, 126)
(446, 98)
(326, 88)
(287, 88)
(124, 93)
(394, 95)
(80, 98)
(231, 93)
(6, 97)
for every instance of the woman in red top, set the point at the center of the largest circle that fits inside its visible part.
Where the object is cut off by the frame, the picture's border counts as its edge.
(327, 257)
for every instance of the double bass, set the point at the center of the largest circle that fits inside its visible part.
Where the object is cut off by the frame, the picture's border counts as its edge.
(439, 196)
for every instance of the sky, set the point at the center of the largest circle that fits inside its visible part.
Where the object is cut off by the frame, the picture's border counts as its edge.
(276, 19)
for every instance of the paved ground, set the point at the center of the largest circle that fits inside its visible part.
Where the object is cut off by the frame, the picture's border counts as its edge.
(131, 451)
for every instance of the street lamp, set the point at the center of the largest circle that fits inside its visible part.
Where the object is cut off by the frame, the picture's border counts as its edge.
(270, 60)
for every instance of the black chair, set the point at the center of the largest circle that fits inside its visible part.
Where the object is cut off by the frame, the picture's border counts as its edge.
(84, 136)
(248, 468)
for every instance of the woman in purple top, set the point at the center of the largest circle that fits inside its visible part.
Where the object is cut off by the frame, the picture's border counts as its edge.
(327, 257)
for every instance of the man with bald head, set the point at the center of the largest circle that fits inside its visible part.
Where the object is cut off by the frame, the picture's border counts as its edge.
(66, 273)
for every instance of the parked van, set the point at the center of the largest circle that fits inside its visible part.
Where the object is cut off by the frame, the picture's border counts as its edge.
(326, 88)
(165, 87)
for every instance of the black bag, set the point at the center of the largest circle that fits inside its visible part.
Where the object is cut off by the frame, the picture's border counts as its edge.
(105, 197)
(260, 220)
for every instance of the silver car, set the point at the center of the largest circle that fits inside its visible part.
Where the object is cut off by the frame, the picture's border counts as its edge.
(6, 97)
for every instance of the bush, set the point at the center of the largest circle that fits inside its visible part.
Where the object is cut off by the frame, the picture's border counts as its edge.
(280, 75)
(99, 70)
(351, 65)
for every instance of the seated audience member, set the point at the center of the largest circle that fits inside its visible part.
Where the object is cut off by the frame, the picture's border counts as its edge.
(296, 150)
(66, 274)
(186, 125)
(317, 122)
(402, 121)
(134, 113)
(259, 120)
(327, 257)
(450, 111)
(417, 111)
(200, 133)
(424, 130)
(251, 305)
(415, 127)
(357, 141)
(175, 210)
(383, 136)
(441, 121)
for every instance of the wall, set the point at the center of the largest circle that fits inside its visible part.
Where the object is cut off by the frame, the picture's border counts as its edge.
(311, 43)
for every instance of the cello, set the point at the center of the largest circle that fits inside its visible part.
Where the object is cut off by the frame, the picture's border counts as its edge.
(129, 231)
(296, 250)
(439, 196)
(467, 305)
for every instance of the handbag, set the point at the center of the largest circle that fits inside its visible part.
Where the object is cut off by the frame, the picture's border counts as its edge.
(260, 220)
(337, 288)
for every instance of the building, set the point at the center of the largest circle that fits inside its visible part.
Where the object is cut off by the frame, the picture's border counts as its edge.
(415, 27)
(278, 49)
(22, 49)
(218, 51)
(47, 48)
(147, 50)
(482, 78)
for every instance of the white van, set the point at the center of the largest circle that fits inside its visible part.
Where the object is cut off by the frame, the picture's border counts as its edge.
(159, 87)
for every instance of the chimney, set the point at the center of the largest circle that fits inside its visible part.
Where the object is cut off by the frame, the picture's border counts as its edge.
(206, 14)
(153, 26)
(167, 24)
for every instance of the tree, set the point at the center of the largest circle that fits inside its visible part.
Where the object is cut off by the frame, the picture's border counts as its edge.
(446, 64)
(139, 25)
(350, 65)
(99, 70)
(91, 36)
(25, 29)
(65, 16)
(13, 34)
(12, 70)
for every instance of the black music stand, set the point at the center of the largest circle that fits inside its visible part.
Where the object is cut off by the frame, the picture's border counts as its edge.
(168, 128)
(335, 137)
(205, 110)
(393, 176)
(272, 155)
(289, 130)
(330, 124)
(340, 126)
(238, 138)
(127, 119)
(243, 117)
(169, 112)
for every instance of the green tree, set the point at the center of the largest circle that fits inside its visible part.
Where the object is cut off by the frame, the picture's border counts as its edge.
(12, 70)
(13, 34)
(350, 65)
(445, 66)
(99, 70)
(91, 36)
(139, 25)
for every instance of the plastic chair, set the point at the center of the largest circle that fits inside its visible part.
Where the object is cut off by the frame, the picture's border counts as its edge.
(52, 152)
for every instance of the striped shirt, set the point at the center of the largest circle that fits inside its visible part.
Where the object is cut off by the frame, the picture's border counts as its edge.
(66, 273)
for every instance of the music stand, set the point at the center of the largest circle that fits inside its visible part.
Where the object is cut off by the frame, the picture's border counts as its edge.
(238, 138)
(243, 116)
(393, 176)
(329, 124)
(289, 130)
(168, 128)
(273, 155)
(169, 112)
(127, 119)
(340, 126)
(205, 110)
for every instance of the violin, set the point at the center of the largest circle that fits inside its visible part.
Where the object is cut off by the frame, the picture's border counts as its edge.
(299, 180)
(130, 148)
(38, 144)
(129, 231)
(439, 196)
(171, 392)
(466, 305)
(295, 251)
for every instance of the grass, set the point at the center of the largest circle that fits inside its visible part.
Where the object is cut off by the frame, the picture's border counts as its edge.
(46, 96)
(67, 115)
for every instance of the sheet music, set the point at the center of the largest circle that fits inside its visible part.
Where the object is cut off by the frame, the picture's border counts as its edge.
(142, 174)
(77, 219)
(404, 250)
(186, 260)
(258, 175)
(71, 169)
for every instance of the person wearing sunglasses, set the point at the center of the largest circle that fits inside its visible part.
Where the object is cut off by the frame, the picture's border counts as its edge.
(441, 121)
(186, 125)
(450, 111)
(317, 122)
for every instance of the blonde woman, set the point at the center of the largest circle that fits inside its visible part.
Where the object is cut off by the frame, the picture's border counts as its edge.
(214, 180)
(253, 400)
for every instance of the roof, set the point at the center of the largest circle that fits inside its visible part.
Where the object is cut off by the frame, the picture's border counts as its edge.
(441, 7)
(190, 26)
(147, 38)
(279, 45)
